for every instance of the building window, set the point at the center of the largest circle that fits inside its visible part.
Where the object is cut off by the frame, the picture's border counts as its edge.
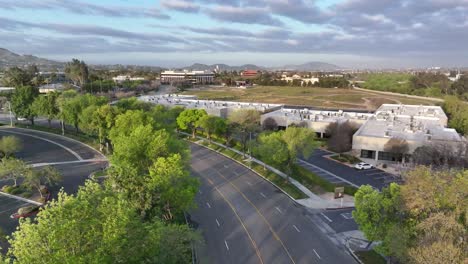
(367, 154)
(390, 156)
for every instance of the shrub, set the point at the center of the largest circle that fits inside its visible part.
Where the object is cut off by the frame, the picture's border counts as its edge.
(16, 190)
(384, 166)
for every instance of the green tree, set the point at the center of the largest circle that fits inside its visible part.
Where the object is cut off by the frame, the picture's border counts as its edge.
(301, 142)
(45, 176)
(212, 125)
(22, 101)
(46, 105)
(10, 145)
(13, 169)
(189, 118)
(272, 149)
(16, 77)
(77, 71)
(99, 120)
(97, 226)
(245, 123)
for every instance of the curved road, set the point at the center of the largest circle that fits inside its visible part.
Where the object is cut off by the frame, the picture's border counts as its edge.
(245, 219)
(75, 160)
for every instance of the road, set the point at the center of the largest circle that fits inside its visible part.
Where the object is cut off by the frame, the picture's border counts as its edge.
(76, 162)
(340, 174)
(245, 219)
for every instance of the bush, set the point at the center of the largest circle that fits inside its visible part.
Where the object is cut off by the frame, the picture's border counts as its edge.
(16, 190)
(27, 194)
(7, 188)
(384, 166)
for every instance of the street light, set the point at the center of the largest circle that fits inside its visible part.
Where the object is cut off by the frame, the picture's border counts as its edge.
(11, 117)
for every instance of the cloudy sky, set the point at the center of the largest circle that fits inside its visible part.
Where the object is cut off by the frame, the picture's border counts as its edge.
(349, 33)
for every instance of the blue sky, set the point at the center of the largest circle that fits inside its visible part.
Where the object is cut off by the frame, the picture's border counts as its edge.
(349, 33)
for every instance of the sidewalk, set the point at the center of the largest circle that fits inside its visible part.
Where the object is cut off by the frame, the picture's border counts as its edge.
(313, 202)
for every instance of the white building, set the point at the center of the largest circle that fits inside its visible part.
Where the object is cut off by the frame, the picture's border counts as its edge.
(216, 108)
(123, 78)
(194, 77)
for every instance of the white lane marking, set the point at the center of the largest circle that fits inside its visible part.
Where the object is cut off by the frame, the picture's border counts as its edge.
(249, 183)
(318, 256)
(208, 204)
(50, 141)
(217, 222)
(200, 192)
(279, 210)
(226, 166)
(347, 216)
(225, 243)
(264, 196)
(297, 229)
(329, 173)
(326, 217)
(36, 165)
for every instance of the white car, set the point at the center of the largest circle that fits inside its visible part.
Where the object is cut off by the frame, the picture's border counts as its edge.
(21, 119)
(363, 166)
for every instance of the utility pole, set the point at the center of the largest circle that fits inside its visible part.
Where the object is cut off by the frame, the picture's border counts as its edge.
(11, 117)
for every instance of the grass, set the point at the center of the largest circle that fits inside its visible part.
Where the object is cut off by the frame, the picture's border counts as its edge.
(289, 188)
(346, 158)
(316, 183)
(305, 96)
(370, 257)
(87, 139)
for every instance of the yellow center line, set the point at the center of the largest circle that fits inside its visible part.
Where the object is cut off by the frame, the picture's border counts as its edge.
(240, 220)
(263, 217)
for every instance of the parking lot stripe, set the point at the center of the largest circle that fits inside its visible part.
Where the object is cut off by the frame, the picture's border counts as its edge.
(331, 174)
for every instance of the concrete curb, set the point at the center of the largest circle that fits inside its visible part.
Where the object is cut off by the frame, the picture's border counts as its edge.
(250, 170)
(339, 208)
(352, 252)
(20, 198)
(61, 136)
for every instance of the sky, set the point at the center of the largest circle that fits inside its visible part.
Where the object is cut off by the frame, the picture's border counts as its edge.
(174, 33)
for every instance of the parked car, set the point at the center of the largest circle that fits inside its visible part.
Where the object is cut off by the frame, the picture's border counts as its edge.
(21, 119)
(363, 166)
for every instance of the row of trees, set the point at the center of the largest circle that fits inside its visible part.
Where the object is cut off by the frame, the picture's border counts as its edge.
(277, 148)
(422, 221)
(136, 215)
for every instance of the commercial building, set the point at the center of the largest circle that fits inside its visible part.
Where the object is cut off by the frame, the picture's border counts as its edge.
(123, 78)
(391, 134)
(194, 77)
(396, 131)
(249, 73)
(212, 107)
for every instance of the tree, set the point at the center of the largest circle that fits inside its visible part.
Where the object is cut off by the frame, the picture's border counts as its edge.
(460, 87)
(22, 101)
(341, 136)
(38, 178)
(97, 226)
(189, 119)
(398, 146)
(13, 169)
(16, 77)
(269, 124)
(245, 123)
(77, 71)
(301, 143)
(10, 145)
(212, 125)
(99, 120)
(46, 105)
(272, 149)
(421, 221)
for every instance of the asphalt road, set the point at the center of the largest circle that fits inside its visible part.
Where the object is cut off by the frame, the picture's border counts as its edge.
(76, 162)
(245, 219)
(374, 177)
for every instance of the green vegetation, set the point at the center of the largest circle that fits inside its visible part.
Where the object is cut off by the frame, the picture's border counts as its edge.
(421, 221)
(22, 101)
(271, 176)
(457, 112)
(189, 119)
(306, 96)
(389, 82)
(370, 257)
(10, 145)
(346, 158)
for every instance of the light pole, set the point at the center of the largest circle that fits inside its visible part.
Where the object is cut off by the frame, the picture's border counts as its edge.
(11, 117)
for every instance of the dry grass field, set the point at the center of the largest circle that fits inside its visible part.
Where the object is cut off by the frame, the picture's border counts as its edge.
(305, 96)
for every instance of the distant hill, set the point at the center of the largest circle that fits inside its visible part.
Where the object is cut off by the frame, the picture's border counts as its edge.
(310, 66)
(10, 59)
(222, 67)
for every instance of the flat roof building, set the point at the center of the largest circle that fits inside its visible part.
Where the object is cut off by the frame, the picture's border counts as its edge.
(212, 107)
(194, 77)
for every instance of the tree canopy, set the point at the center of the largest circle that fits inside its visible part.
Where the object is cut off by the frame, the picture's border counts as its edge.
(189, 118)
(22, 101)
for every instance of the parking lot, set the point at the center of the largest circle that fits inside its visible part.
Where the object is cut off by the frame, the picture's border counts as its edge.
(339, 220)
(9, 206)
(344, 175)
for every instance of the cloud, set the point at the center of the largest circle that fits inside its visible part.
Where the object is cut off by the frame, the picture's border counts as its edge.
(181, 6)
(245, 15)
(84, 8)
